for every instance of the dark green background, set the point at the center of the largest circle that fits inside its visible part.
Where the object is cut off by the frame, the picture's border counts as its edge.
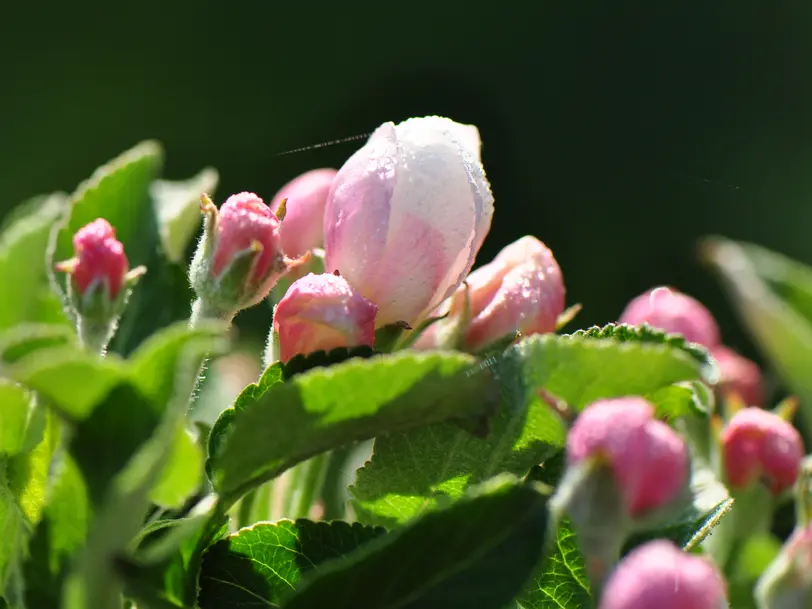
(617, 132)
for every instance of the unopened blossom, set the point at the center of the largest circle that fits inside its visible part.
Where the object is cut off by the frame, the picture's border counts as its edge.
(673, 312)
(407, 214)
(100, 261)
(239, 257)
(303, 226)
(738, 376)
(647, 458)
(758, 444)
(322, 312)
(658, 575)
(100, 283)
(521, 290)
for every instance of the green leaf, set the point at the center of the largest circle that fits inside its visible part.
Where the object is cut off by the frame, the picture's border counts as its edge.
(181, 474)
(682, 399)
(582, 368)
(225, 422)
(57, 537)
(263, 563)
(23, 245)
(421, 468)
(26, 338)
(177, 206)
(355, 400)
(161, 352)
(167, 560)
(16, 411)
(70, 378)
(561, 581)
(773, 297)
(645, 333)
(93, 582)
(478, 553)
(430, 466)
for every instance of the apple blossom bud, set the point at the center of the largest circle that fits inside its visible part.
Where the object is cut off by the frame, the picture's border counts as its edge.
(303, 226)
(647, 458)
(239, 257)
(100, 282)
(759, 444)
(787, 582)
(658, 575)
(673, 312)
(738, 376)
(322, 312)
(521, 290)
(407, 214)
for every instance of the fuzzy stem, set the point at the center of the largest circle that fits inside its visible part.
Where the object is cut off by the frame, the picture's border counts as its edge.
(95, 336)
(201, 312)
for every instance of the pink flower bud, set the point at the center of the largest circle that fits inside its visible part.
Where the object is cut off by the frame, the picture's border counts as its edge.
(648, 459)
(100, 259)
(303, 226)
(673, 312)
(757, 443)
(245, 223)
(521, 290)
(407, 214)
(658, 575)
(739, 376)
(239, 258)
(322, 312)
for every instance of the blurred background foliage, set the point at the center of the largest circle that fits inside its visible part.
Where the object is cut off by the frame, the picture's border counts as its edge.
(617, 132)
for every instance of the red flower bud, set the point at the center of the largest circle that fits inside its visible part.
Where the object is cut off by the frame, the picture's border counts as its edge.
(649, 460)
(738, 376)
(322, 312)
(673, 312)
(100, 259)
(658, 575)
(757, 443)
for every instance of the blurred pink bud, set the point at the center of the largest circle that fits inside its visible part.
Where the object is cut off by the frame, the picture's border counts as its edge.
(322, 312)
(303, 226)
(787, 582)
(658, 575)
(673, 312)
(407, 214)
(245, 223)
(99, 261)
(757, 443)
(739, 376)
(648, 459)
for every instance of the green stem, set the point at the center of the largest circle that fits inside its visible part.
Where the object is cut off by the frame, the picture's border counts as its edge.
(93, 335)
(751, 514)
(333, 492)
(304, 485)
(202, 312)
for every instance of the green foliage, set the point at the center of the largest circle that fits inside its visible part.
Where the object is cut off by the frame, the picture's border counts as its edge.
(267, 561)
(355, 400)
(479, 552)
(425, 467)
(773, 296)
(23, 242)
